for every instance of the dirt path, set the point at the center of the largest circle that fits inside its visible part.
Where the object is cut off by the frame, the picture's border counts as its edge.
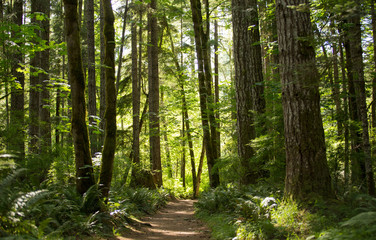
(175, 221)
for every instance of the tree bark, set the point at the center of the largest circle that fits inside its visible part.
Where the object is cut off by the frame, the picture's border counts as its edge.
(44, 78)
(357, 71)
(108, 153)
(135, 104)
(91, 80)
(248, 82)
(307, 173)
(102, 97)
(118, 76)
(154, 128)
(84, 169)
(216, 87)
(17, 101)
(34, 95)
(204, 79)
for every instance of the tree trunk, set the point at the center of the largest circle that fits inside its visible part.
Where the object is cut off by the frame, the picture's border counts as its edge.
(44, 78)
(118, 76)
(91, 80)
(345, 114)
(102, 97)
(248, 77)
(199, 170)
(155, 144)
(108, 153)
(357, 162)
(307, 173)
(135, 104)
(165, 138)
(34, 89)
(205, 83)
(357, 71)
(373, 107)
(84, 169)
(216, 87)
(182, 162)
(17, 113)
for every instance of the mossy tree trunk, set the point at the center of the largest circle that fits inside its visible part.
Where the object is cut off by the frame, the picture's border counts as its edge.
(109, 147)
(206, 98)
(83, 162)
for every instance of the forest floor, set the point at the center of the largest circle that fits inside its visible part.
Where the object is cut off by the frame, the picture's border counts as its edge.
(173, 222)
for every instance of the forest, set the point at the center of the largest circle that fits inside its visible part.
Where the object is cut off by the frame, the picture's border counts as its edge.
(262, 111)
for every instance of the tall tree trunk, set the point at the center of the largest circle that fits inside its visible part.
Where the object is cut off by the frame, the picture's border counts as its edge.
(357, 71)
(248, 76)
(357, 163)
(373, 107)
(44, 78)
(345, 114)
(204, 78)
(307, 172)
(155, 144)
(165, 138)
(102, 97)
(84, 169)
(135, 104)
(34, 94)
(91, 80)
(118, 76)
(182, 162)
(216, 87)
(199, 170)
(109, 147)
(17, 101)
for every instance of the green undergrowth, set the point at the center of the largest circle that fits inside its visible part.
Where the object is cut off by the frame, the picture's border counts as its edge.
(259, 212)
(56, 212)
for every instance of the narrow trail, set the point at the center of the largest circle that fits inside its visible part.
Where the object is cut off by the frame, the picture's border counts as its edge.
(173, 222)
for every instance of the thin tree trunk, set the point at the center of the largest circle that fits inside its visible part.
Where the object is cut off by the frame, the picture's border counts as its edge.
(102, 97)
(199, 170)
(182, 165)
(155, 144)
(118, 76)
(17, 101)
(206, 113)
(109, 147)
(84, 169)
(34, 89)
(373, 107)
(91, 80)
(345, 115)
(44, 78)
(216, 86)
(165, 138)
(135, 104)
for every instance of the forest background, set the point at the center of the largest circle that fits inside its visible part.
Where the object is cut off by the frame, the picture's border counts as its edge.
(266, 106)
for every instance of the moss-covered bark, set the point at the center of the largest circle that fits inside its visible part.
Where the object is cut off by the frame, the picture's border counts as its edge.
(84, 169)
(109, 147)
